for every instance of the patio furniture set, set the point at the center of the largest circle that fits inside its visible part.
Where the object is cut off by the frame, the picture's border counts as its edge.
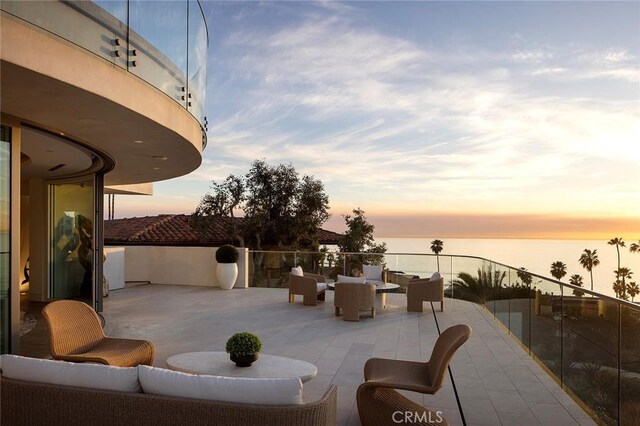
(366, 292)
(119, 387)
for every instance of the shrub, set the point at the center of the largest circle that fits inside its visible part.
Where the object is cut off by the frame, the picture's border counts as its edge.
(227, 254)
(243, 343)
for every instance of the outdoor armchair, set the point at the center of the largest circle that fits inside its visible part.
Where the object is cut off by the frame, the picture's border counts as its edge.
(377, 398)
(75, 334)
(312, 287)
(353, 297)
(424, 290)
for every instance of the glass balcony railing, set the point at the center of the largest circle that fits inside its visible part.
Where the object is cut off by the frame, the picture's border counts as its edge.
(162, 42)
(588, 342)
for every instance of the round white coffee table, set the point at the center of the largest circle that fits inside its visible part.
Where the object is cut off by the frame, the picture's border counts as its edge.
(219, 364)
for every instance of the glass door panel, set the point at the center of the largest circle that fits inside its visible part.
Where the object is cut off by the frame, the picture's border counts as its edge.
(71, 240)
(5, 238)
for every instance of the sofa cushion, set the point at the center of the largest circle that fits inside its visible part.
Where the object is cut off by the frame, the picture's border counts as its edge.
(281, 391)
(321, 287)
(297, 270)
(372, 272)
(435, 277)
(96, 376)
(354, 280)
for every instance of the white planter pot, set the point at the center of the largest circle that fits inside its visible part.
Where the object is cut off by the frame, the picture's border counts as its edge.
(227, 273)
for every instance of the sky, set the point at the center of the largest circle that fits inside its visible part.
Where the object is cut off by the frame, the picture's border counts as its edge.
(451, 119)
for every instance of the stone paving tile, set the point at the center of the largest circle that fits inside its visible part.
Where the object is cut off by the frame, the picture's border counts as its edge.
(498, 382)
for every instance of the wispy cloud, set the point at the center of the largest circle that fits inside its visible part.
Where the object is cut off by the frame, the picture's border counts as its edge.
(394, 122)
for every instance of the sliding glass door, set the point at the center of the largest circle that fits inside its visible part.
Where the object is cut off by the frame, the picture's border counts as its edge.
(71, 238)
(5, 238)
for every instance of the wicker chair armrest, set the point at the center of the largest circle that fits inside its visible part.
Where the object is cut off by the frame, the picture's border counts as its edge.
(319, 278)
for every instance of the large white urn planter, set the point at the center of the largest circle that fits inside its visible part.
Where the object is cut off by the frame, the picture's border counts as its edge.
(227, 273)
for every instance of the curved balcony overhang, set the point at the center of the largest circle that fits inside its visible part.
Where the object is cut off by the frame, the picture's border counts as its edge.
(51, 84)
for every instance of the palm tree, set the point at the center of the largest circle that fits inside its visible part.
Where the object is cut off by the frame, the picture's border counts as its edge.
(524, 276)
(436, 247)
(589, 260)
(576, 279)
(468, 287)
(558, 270)
(634, 247)
(633, 290)
(620, 286)
(618, 242)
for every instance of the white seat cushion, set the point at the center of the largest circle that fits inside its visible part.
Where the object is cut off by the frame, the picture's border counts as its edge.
(95, 376)
(321, 287)
(297, 270)
(354, 280)
(435, 277)
(281, 391)
(375, 282)
(372, 272)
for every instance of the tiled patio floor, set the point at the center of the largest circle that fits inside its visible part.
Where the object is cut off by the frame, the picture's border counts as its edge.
(497, 381)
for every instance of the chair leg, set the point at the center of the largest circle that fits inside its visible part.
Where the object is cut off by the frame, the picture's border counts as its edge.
(337, 311)
(442, 306)
(321, 296)
(291, 297)
(373, 312)
(414, 305)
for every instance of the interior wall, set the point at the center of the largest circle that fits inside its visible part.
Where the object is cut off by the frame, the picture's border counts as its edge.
(38, 240)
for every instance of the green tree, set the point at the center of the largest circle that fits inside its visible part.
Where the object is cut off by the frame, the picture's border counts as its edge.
(524, 276)
(358, 238)
(576, 279)
(633, 290)
(280, 208)
(589, 260)
(477, 288)
(620, 286)
(436, 247)
(558, 270)
(225, 197)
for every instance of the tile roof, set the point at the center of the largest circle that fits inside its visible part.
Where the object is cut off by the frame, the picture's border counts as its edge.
(175, 230)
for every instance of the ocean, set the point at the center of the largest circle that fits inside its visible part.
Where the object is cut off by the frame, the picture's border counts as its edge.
(534, 254)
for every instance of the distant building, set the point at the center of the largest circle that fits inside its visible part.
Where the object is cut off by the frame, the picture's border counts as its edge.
(175, 230)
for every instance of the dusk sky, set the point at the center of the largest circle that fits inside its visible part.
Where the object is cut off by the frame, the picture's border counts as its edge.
(482, 119)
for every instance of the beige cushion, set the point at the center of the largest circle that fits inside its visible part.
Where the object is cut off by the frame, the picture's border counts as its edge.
(281, 391)
(435, 277)
(349, 280)
(95, 376)
(321, 287)
(297, 270)
(372, 272)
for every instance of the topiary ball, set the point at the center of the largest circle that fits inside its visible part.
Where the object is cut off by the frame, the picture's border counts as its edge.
(243, 343)
(227, 254)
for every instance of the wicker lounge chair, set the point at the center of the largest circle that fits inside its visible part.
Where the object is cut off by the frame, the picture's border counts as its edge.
(424, 290)
(352, 297)
(312, 287)
(377, 398)
(76, 335)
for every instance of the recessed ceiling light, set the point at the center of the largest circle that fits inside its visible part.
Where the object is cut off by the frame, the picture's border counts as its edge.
(159, 157)
(156, 168)
(138, 141)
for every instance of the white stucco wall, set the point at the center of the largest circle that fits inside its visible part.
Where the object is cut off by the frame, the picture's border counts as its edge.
(114, 267)
(179, 266)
